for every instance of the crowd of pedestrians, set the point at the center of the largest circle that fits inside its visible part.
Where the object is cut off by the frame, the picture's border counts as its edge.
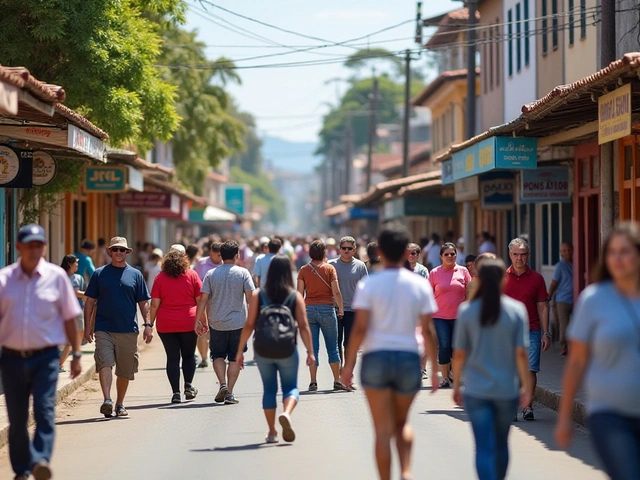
(483, 327)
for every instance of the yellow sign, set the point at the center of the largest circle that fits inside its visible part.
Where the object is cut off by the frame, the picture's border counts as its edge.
(614, 115)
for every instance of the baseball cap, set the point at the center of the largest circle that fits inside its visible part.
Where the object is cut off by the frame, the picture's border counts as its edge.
(32, 233)
(158, 252)
(264, 240)
(176, 247)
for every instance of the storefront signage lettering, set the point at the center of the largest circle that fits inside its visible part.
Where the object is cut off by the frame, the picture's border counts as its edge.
(44, 168)
(105, 179)
(498, 194)
(86, 143)
(16, 167)
(495, 153)
(159, 201)
(545, 185)
(614, 114)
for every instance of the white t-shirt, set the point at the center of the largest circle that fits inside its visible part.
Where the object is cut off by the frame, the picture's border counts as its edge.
(395, 298)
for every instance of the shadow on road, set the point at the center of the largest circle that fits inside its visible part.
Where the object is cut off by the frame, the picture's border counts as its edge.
(324, 392)
(240, 448)
(89, 420)
(170, 406)
(541, 429)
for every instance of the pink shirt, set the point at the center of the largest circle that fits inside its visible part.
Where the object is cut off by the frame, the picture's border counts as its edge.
(450, 288)
(203, 265)
(33, 309)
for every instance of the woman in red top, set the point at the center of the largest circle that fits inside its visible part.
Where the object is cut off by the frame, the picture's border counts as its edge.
(449, 282)
(174, 299)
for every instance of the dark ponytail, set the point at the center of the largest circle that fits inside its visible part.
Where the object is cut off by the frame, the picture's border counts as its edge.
(490, 275)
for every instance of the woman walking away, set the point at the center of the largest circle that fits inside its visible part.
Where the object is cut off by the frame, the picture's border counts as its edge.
(491, 344)
(319, 281)
(389, 305)
(70, 265)
(604, 348)
(278, 292)
(174, 299)
(449, 282)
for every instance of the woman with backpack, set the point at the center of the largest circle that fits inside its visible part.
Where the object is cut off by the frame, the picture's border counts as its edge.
(273, 313)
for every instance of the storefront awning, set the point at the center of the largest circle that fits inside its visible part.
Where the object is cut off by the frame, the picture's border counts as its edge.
(215, 214)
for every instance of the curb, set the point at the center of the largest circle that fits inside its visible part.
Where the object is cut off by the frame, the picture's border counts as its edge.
(552, 400)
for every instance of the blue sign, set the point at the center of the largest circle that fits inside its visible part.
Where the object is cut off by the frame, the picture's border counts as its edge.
(363, 213)
(495, 153)
(234, 198)
(498, 193)
(447, 172)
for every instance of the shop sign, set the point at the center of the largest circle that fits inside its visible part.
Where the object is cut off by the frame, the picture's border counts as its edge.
(430, 207)
(8, 99)
(105, 179)
(363, 213)
(498, 193)
(86, 143)
(234, 198)
(16, 168)
(135, 180)
(614, 115)
(466, 189)
(393, 208)
(545, 185)
(44, 168)
(447, 172)
(149, 201)
(495, 153)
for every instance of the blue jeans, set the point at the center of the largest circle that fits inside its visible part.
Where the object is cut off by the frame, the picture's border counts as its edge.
(36, 376)
(535, 348)
(288, 370)
(399, 371)
(444, 331)
(322, 318)
(616, 438)
(490, 421)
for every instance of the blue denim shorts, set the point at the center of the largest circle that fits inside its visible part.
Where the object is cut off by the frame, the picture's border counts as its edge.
(399, 371)
(535, 347)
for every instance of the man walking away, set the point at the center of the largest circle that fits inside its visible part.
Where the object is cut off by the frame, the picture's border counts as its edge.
(38, 308)
(85, 263)
(226, 288)
(204, 265)
(118, 289)
(350, 271)
(262, 265)
(528, 287)
(562, 286)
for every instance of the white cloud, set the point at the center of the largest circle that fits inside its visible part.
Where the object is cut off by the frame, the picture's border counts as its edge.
(351, 15)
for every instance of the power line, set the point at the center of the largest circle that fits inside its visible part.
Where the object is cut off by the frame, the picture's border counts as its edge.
(389, 40)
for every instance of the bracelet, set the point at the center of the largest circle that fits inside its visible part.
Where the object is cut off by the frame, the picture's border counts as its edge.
(147, 325)
(76, 355)
(546, 334)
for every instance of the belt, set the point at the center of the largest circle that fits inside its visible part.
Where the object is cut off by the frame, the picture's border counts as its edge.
(27, 353)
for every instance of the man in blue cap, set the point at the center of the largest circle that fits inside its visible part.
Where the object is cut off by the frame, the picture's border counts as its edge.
(38, 308)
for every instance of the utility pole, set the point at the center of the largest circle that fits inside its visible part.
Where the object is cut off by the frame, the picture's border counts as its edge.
(607, 55)
(373, 101)
(407, 114)
(334, 174)
(348, 134)
(471, 70)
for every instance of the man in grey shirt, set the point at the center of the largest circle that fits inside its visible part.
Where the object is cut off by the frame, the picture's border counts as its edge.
(226, 288)
(350, 271)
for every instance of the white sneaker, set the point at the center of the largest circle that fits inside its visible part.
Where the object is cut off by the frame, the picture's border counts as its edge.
(271, 438)
(287, 431)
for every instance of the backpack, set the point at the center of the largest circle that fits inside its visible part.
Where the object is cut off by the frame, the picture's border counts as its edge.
(276, 329)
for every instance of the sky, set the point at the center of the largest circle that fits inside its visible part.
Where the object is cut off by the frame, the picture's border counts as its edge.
(289, 102)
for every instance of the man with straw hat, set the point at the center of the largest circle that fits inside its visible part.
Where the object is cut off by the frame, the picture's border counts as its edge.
(118, 289)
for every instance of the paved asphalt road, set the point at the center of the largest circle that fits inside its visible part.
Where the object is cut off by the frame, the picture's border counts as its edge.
(201, 440)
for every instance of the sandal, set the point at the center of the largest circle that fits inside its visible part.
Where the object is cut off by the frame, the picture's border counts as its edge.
(445, 383)
(340, 387)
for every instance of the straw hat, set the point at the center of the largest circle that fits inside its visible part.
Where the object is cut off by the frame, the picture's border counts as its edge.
(120, 242)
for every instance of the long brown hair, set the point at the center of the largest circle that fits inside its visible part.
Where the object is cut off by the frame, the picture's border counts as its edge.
(490, 275)
(630, 230)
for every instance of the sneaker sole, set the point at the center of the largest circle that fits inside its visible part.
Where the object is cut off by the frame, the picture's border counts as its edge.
(106, 409)
(190, 397)
(221, 394)
(231, 402)
(288, 435)
(42, 472)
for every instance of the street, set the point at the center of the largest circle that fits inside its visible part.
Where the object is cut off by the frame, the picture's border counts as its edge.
(201, 440)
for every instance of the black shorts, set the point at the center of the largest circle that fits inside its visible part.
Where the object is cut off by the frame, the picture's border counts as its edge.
(345, 325)
(224, 344)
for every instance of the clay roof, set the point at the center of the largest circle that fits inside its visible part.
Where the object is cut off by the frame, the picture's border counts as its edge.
(380, 190)
(434, 86)
(131, 158)
(79, 121)
(448, 28)
(336, 210)
(21, 78)
(566, 107)
(218, 177)
(178, 190)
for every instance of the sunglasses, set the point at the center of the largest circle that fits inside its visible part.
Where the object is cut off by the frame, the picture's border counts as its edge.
(449, 254)
(414, 253)
(118, 250)
(348, 249)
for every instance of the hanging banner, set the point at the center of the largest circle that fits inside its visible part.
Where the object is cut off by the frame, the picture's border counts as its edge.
(44, 168)
(614, 115)
(545, 185)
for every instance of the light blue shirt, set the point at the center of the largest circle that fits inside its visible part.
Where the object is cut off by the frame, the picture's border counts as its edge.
(563, 274)
(262, 268)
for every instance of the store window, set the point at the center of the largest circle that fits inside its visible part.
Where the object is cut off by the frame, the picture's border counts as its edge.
(629, 178)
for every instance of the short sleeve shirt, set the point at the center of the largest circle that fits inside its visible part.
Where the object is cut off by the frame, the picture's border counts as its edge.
(78, 284)
(530, 289)
(349, 274)
(85, 265)
(262, 267)
(177, 312)
(317, 286)
(226, 286)
(421, 270)
(117, 291)
(450, 288)
(563, 274)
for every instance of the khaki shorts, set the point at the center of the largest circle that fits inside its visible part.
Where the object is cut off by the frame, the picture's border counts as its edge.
(119, 349)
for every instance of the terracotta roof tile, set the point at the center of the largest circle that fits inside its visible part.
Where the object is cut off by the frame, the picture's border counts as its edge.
(336, 210)
(79, 121)
(434, 86)
(174, 188)
(42, 91)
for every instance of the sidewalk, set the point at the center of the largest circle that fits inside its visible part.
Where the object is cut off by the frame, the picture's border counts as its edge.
(549, 388)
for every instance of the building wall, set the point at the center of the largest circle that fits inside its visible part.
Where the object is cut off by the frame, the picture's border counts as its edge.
(520, 77)
(581, 46)
(491, 65)
(627, 21)
(550, 44)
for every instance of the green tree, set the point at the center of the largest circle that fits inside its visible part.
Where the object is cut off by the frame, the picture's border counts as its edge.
(103, 52)
(208, 131)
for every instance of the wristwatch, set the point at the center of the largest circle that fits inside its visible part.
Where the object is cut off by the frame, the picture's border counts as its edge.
(547, 334)
(76, 354)
(147, 325)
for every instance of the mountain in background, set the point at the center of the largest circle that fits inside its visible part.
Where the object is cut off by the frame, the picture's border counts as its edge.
(297, 157)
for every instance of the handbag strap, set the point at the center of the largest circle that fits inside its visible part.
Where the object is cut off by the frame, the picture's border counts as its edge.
(318, 274)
